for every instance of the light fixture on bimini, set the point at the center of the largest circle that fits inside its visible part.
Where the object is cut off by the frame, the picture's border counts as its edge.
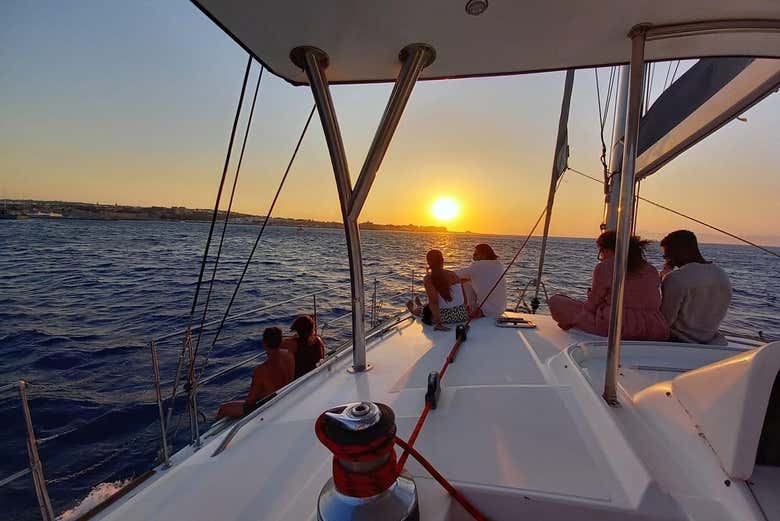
(476, 7)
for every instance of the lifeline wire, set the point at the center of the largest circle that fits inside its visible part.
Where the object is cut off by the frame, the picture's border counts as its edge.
(659, 205)
(257, 241)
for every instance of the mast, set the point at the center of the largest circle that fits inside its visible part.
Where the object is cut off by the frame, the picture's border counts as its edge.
(612, 196)
(558, 167)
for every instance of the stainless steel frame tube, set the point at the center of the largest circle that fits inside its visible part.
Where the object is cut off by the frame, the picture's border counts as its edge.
(314, 61)
(158, 393)
(36, 467)
(415, 58)
(625, 210)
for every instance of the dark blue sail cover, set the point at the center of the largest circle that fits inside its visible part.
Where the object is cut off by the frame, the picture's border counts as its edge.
(710, 94)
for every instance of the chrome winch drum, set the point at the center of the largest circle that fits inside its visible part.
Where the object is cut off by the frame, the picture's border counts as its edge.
(345, 430)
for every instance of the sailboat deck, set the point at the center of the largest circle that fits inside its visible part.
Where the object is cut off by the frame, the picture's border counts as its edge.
(518, 428)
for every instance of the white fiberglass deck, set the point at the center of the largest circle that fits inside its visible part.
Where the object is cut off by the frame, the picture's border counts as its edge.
(518, 428)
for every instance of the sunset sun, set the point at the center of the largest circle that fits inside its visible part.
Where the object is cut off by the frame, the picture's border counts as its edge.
(445, 209)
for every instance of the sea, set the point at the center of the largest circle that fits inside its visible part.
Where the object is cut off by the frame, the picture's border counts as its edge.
(81, 300)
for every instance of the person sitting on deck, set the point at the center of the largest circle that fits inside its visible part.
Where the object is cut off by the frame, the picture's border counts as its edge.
(642, 319)
(479, 279)
(696, 296)
(273, 374)
(446, 300)
(307, 347)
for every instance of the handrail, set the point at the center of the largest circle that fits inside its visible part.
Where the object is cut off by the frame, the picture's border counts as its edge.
(14, 476)
(240, 315)
(226, 370)
(272, 399)
(8, 387)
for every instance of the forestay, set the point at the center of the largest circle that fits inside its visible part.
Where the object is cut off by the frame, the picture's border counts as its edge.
(363, 38)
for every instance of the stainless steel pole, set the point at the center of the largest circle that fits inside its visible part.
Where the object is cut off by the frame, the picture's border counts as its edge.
(625, 210)
(559, 144)
(36, 467)
(373, 306)
(415, 58)
(158, 392)
(314, 62)
(616, 154)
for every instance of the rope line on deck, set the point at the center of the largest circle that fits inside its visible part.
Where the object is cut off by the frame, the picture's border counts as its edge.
(698, 221)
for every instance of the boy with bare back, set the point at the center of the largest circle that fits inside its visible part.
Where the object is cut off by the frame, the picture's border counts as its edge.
(277, 371)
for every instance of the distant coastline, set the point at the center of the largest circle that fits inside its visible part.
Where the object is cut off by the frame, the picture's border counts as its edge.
(26, 209)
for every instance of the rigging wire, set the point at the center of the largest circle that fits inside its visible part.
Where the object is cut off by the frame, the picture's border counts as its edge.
(668, 70)
(221, 185)
(254, 247)
(603, 118)
(187, 343)
(698, 221)
(451, 357)
(227, 212)
(674, 74)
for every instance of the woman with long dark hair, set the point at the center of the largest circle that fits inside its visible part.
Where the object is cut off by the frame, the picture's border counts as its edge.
(446, 301)
(307, 347)
(642, 318)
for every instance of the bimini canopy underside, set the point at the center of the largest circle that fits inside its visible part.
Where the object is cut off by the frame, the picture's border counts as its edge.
(363, 38)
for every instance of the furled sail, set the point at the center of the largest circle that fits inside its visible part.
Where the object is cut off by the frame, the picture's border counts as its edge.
(709, 95)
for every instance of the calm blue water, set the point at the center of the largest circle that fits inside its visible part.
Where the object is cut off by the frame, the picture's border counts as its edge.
(80, 300)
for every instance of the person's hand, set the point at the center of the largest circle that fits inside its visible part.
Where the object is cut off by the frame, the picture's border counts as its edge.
(440, 327)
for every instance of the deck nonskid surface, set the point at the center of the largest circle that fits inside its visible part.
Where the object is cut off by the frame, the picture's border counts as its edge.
(500, 424)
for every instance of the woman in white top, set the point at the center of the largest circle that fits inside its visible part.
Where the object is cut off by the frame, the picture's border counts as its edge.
(485, 283)
(446, 303)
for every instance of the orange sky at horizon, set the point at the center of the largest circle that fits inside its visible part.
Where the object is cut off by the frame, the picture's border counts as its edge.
(152, 128)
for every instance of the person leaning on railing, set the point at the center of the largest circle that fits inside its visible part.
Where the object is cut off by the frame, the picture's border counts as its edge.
(277, 371)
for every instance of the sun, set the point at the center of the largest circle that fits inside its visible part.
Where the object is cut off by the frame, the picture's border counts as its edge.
(445, 208)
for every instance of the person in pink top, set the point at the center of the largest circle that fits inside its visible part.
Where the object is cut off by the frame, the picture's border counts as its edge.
(642, 318)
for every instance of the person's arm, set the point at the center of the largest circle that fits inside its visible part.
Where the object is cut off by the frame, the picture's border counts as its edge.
(666, 270)
(433, 303)
(600, 285)
(290, 344)
(465, 274)
(257, 389)
(672, 297)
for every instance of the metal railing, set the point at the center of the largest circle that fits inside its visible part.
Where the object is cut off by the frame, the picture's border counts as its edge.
(373, 316)
(35, 465)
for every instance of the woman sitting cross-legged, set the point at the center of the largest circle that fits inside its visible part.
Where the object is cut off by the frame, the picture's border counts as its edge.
(642, 318)
(446, 302)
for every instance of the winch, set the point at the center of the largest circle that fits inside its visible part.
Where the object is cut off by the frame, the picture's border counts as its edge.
(366, 484)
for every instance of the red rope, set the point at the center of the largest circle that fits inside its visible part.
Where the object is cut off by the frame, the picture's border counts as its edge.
(424, 414)
(454, 492)
(361, 484)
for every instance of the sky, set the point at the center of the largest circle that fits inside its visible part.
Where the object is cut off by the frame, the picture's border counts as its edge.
(132, 103)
